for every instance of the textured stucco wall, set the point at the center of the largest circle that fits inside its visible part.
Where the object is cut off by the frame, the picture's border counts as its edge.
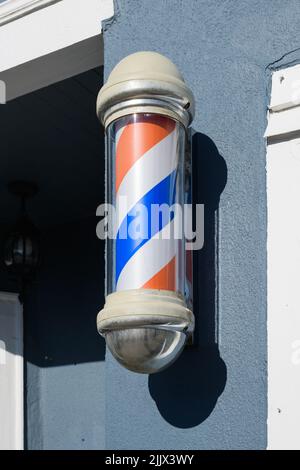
(225, 50)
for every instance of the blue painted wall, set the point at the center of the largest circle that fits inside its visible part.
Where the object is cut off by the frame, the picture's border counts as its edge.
(215, 396)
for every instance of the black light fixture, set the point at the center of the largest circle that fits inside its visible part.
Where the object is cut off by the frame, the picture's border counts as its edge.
(22, 246)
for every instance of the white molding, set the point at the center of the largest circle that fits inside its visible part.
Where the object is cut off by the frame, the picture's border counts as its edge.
(52, 44)
(51, 29)
(285, 89)
(10, 296)
(11, 10)
(53, 68)
(283, 253)
(283, 249)
(283, 122)
(18, 425)
(284, 109)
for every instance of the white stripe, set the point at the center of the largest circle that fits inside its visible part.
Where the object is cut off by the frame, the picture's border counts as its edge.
(149, 170)
(149, 260)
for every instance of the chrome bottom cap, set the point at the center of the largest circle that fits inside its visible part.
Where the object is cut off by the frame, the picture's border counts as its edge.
(145, 330)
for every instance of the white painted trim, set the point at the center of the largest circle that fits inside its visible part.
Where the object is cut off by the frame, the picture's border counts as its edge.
(10, 296)
(19, 405)
(53, 68)
(283, 249)
(283, 122)
(51, 29)
(69, 43)
(285, 89)
(20, 382)
(11, 10)
(284, 109)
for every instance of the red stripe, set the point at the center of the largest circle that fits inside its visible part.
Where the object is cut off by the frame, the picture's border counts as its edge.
(137, 138)
(165, 279)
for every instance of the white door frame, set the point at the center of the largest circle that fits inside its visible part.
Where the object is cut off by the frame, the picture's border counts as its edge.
(47, 41)
(283, 194)
(19, 370)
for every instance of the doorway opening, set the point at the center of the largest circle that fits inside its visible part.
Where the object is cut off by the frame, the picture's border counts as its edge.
(52, 137)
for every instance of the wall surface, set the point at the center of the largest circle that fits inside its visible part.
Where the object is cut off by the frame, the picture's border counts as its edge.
(215, 396)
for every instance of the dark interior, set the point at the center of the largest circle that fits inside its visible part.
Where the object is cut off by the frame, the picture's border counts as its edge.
(53, 138)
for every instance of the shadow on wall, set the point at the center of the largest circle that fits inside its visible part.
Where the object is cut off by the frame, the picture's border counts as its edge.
(187, 392)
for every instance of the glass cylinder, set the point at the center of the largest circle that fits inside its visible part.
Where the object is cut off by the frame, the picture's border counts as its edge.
(145, 186)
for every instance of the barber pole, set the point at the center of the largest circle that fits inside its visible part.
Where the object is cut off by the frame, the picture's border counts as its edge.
(146, 108)
(146, 166)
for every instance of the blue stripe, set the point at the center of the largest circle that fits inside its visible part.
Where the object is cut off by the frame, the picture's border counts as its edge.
(138, 221)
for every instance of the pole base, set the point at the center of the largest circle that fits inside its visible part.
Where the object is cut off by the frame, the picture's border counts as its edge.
(145, 329)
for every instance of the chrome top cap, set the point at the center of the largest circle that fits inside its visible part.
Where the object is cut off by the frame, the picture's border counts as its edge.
(145, 76)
